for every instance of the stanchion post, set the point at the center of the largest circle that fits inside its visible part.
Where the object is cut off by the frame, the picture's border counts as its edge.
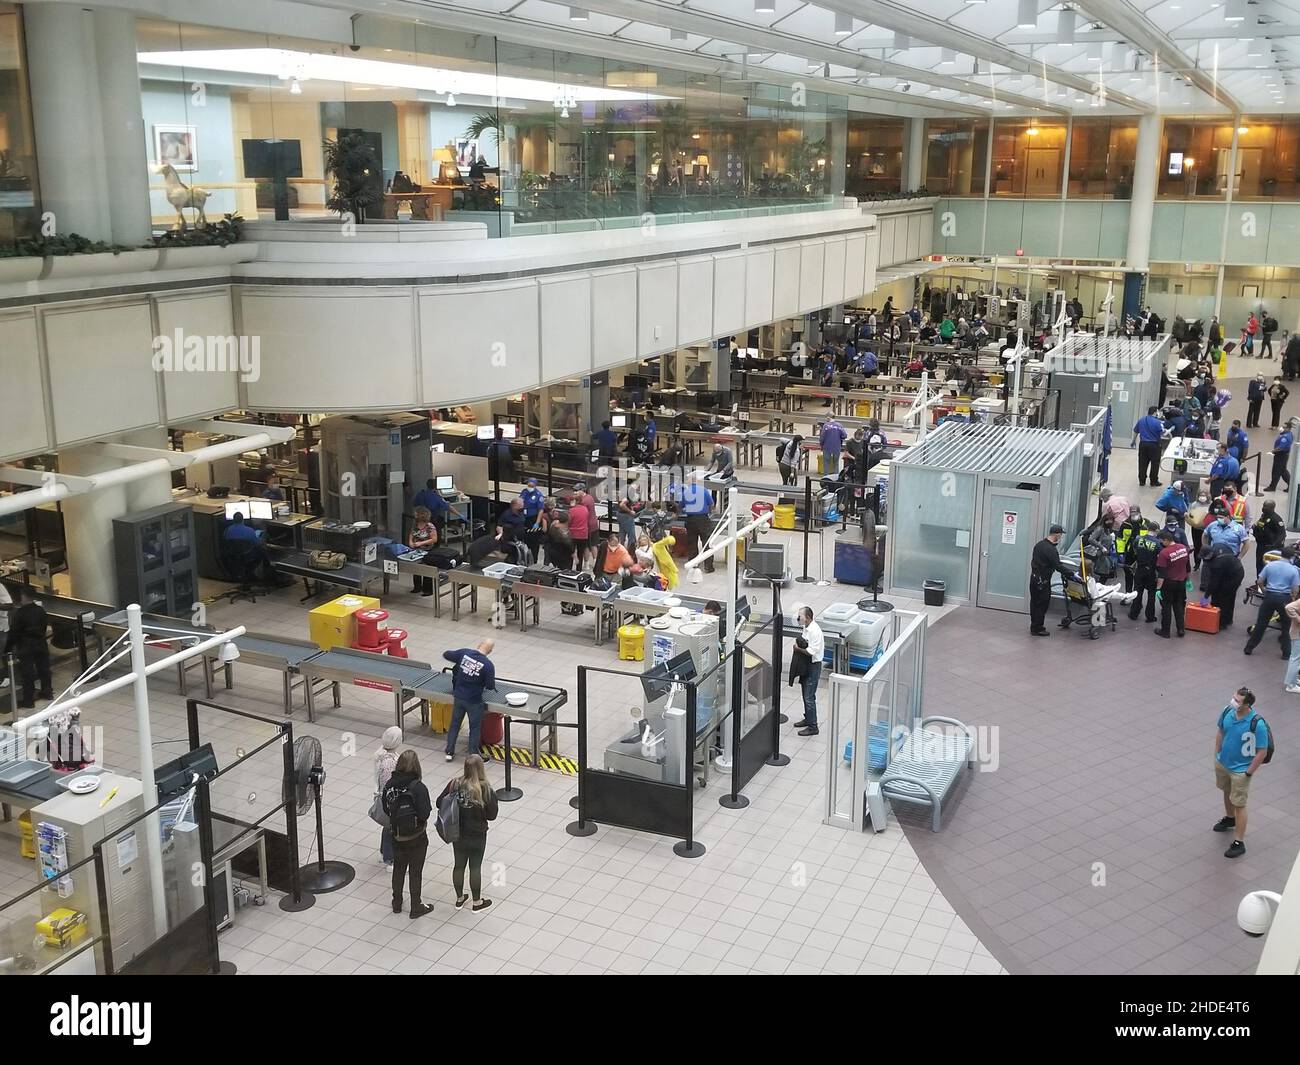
(688, 847)
(509, 793)
(734, 800)
(807, 525)
(581, 827)
(778, 668)
(13, 686)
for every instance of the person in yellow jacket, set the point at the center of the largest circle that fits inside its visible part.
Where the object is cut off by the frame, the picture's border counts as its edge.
(664, 561)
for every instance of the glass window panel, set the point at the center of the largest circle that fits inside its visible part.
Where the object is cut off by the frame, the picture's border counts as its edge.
(19, 192)
(874, 162)
(1028, 158)
(1102, 153)
(956, 151)
(1194, 156)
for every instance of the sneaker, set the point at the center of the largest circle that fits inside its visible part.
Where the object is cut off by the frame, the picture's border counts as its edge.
(1039, 632)
(421, 910)
(1235, 849)
(1225, 823)
(449, 757)
(1294, 689)
(810, 731)
(800, 724)
(461, 901)
(397, 905)
(1163, 635)
(1247, 650)
(1157, 484)
(482, 904)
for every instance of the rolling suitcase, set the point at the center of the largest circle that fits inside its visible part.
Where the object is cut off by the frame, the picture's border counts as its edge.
(442, 557)
(1202, 618)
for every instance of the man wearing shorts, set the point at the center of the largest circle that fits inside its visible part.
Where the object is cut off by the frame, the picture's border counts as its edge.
(1239, 750)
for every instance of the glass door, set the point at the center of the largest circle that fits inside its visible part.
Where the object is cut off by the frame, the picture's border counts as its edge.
(1009, 529)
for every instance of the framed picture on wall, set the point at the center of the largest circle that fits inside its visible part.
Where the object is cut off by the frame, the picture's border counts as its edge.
(466, 152)
(177, 145)
(1250, 292)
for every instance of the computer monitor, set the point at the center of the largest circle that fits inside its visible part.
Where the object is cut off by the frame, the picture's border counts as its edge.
(618, 421)
(487, 432)
(445, 484)
(251, 509)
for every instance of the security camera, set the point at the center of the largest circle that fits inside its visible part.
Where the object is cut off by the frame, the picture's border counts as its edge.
(1254, 914)
(906, 86)
(354, 47)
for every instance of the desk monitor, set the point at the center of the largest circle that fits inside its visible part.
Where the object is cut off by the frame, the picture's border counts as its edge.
(508, 431)
(251, 509)
(618, 421)
(445, 484)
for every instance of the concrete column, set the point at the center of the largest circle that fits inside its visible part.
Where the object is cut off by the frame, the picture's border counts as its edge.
(152, 491)
(126, 168)
(1142, 206)
(61, 71)
(88, 527)
(913, 153)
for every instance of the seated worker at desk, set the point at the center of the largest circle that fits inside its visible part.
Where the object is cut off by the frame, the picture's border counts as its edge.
(244, 546)
(721, 463)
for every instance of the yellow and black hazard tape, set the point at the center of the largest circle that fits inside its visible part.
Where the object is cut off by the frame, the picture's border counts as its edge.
(523, 756)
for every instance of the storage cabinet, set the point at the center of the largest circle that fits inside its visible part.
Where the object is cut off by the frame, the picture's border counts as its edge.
(156, 560)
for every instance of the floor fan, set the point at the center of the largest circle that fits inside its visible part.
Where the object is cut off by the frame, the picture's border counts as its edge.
(318, 877)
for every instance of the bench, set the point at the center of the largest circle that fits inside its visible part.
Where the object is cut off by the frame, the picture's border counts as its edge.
(927, 764)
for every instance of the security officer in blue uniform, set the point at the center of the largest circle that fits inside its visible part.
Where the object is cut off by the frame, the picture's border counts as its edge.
(1149, 432)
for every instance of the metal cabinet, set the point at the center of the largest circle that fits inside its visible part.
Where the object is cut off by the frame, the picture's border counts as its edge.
(157, 560)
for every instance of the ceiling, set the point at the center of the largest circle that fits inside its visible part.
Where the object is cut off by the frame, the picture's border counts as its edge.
(1201, 57)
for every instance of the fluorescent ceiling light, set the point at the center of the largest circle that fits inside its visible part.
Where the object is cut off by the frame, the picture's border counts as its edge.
(1234, 11)
(1094, 51)
(947, 57)
(577, 14)
(1027, 18)
(1065, 23)
(1255, 48)
(349, 70)
(843, 24)
(677, 35)
(765, 7)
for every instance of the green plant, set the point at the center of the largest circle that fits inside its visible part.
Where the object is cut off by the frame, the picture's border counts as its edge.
(230, 230)
(352, 163)
(71, 244)
(484, 122)
(8, 167)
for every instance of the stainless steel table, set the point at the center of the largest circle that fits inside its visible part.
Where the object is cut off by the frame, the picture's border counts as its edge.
(353, 575)
(534, 594)
(366, 670)
(160, 632)
(463, 577)
(439, 577)
(539, 712)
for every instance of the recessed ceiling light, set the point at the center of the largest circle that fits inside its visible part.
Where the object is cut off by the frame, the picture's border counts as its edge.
(677, 35)
(764, 7)
(1065, 24)
(843, 24)
(1027, 17)
(577, 14)
(1235, 11)
(947, 57)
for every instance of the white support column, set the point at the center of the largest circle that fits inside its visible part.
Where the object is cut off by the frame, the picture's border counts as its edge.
(914, 156)
(1142, 206)
(126, 168)
(61, 70)
(88, 527)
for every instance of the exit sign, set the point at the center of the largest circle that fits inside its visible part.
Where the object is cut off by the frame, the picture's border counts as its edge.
(1020, 253)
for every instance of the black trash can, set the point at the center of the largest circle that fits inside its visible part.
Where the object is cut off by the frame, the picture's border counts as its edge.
(934, 592)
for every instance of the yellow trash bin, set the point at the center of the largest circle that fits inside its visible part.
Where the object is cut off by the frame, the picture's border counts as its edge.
(783, 516)
(631, 643)
(26, 836)
(332, 624)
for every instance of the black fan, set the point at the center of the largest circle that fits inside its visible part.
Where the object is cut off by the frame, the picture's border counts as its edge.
(308, 780)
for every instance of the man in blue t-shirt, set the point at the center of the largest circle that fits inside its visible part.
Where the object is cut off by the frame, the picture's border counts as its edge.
(472, 675)
(1148, 433)
(696, 503)
(1279, 581)
(1239, 750)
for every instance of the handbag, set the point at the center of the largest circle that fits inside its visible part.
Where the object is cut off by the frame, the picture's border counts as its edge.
(329, 560)
(377, 813)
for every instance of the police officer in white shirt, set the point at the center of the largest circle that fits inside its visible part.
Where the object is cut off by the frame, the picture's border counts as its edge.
(815, 649)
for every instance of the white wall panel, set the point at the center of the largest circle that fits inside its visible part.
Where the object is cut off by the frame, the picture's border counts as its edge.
(870, 261)
(785, 282)
(656, 303)
(833, 272)
(613, 316)
(813, 260)
(479, 342)
(23, 426)
(887, 228)
(729, 293)
(760, 269)
(566, 326)
(101, 369)
(204, 314)
(694, 299)
(855, 254)
(331, 349)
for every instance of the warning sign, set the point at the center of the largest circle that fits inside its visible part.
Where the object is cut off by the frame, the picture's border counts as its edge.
(1009, 519)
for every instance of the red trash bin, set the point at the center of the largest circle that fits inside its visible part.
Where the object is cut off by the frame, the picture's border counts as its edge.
(396, 640)
(493, 729)
(371, 624)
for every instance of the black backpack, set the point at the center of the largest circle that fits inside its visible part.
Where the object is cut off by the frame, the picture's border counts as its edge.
(1250, 727)
(403, 816)
(1270, 324)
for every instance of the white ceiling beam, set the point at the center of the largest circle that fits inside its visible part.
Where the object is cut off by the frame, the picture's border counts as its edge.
(1144, 35)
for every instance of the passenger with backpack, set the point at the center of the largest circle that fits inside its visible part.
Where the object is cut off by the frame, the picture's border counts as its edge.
(1243, 744)
(465, 807)
(1268, 328)
(407, 804)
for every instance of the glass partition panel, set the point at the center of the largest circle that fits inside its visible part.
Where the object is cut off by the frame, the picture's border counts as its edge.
(933, 518)
(1028, 158)
(19, 192)
(1193, 161)
(956, 153)
(1267, 148)
(1102, 154)
(874, 162)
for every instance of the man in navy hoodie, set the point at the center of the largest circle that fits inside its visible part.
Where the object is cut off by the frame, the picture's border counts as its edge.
(472, 675)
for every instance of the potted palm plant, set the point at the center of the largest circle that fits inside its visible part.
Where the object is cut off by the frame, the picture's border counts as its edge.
(352, 164)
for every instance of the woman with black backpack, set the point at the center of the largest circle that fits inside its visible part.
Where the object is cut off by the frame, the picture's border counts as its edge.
(476, 806)
(406, 801)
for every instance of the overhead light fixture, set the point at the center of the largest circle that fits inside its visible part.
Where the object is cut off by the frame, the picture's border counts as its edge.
(1234, 11)
(1255, 47)
(578, 14)
(1094, 51)
(295, 87)
(229, 652)
(765, 7)
(902, 42)
(677, 35)
(843, 24)
(1028, 16)
(1243, 130)
(1032, 131)
(1066, 22)
(947, 57)
(451, 99)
